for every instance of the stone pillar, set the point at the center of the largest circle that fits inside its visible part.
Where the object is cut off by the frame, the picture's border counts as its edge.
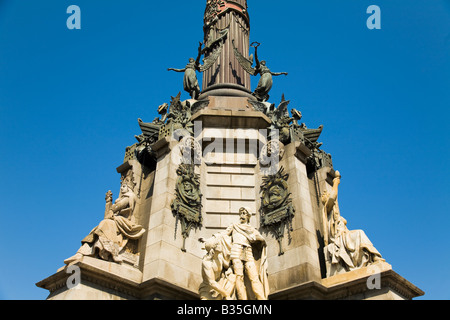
(300, 262)
(168, 272)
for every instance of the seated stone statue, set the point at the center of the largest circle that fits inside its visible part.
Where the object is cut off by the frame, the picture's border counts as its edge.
(108, 240)
(345, 250)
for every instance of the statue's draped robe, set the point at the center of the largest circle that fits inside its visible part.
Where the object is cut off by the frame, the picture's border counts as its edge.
(113, 233)
(190, 81)
(353, 247)
(265, 83)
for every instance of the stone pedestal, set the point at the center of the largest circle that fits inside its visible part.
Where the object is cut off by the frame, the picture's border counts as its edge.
(376, 282)
(232, 136)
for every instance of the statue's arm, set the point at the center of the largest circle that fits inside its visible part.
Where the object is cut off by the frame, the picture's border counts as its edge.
(176, 70)
(258, 236)
(334, 192)
(336, 183)
(258, 64)
(279, 73)
(228, 231)
(197, 62)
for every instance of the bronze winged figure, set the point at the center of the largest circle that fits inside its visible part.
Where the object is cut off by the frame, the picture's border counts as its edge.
(261, 92)
(190, 81)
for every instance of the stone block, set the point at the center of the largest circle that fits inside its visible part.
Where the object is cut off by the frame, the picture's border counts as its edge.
(236, 205)
(211, 220)
(232, 193)
(161, 232)
(217, 206)
(249, 194)
(164, 216)
(218, 180)
(291, 277)
(243, 180)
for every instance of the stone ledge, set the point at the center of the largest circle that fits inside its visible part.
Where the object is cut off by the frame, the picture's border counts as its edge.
(158, 289)
(121, 278)
(357, 274)
(302, 152)
(232, 119)
(116, 279)
(354, 288)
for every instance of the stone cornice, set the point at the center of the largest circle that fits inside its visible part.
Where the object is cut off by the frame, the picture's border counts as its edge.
(122, 280)
(351, 288)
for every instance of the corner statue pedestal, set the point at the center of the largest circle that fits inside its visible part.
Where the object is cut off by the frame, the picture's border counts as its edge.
(226, 196)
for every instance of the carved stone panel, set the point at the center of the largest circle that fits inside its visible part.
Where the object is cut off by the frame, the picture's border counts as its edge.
(276, 205)
(187, 206)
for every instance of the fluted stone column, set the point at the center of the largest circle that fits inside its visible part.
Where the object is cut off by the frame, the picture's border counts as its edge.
(227, 77)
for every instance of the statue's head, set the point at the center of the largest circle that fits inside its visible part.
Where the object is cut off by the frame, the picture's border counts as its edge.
(263, 63)
(125, 188)
(213, 243)
(191, 60)
(244, 215)
(187, 186)
(127, 185)
(275, 193)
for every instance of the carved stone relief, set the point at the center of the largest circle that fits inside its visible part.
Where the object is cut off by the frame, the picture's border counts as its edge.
(276, 210)
(187, 206)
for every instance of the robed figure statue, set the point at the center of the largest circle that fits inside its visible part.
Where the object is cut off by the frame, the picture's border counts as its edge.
(265, 83)
(345, 250)
(109, 239)
(190, 81)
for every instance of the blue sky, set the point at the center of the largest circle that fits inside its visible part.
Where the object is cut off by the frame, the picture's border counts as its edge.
(70, 100)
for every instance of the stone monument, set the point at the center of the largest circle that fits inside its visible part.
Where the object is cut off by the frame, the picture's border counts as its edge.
(226, 196)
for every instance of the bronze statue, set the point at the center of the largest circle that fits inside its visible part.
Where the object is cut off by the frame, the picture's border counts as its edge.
(281, 121)
(190, 82)
(265, 82)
